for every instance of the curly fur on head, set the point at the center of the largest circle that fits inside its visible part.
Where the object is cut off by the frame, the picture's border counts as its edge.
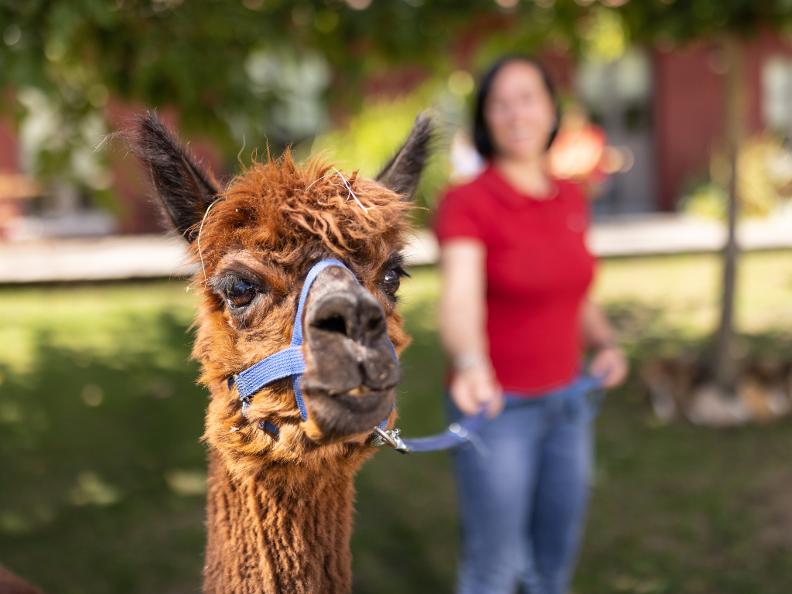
(280, 218)
(282, 208)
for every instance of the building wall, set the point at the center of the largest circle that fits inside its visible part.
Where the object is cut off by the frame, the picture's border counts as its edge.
(688, 114)
(139, 212)
(9, 148)
(689, 104)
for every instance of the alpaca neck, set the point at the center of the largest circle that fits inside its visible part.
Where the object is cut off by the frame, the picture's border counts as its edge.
(286, 530)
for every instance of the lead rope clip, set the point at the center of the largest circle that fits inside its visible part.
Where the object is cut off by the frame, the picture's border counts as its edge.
(389, 437)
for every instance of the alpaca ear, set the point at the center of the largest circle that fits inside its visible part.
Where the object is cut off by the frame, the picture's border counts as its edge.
(403, 171)
(185, 189)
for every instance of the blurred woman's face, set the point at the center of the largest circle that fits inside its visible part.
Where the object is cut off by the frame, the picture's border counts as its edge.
(519, 111)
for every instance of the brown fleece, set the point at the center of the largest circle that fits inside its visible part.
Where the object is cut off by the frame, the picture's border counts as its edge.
(279, 509)
(284, 530)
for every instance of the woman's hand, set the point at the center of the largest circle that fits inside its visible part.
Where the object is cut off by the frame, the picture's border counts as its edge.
(474, 388)
(610, 364)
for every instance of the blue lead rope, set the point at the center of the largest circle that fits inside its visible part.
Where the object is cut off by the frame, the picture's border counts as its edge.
(455, 435)
(463, 431)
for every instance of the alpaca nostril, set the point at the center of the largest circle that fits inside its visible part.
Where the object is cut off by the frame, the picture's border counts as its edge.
(333, 323)
(355, 316)
(375, 325)
(371, 320)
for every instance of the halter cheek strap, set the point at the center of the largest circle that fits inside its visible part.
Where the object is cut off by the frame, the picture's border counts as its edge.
(288, 362)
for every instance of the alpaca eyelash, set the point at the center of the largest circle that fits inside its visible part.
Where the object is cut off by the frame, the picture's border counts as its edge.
(224, 283)
(396, 263)
(399, 269)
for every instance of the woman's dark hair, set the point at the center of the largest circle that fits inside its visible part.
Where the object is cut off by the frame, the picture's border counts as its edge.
(481, 134)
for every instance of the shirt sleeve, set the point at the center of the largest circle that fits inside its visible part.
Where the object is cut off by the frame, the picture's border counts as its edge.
(456, 217)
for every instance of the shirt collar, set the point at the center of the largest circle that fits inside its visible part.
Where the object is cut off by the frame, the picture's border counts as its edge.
(498, 185)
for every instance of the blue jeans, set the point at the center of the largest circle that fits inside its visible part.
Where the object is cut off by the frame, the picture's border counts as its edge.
(523, 500)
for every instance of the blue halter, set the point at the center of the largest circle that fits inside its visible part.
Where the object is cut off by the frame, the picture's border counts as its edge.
(288, 362)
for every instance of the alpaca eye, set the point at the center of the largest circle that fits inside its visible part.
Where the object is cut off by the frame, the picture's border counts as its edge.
(392, 280)
(240, 293)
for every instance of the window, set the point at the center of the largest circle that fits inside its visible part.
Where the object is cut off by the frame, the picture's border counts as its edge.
(777, 94)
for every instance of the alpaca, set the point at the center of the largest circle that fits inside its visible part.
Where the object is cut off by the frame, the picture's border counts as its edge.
(280, 483)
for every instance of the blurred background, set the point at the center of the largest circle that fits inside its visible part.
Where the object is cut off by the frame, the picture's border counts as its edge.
(678, 118)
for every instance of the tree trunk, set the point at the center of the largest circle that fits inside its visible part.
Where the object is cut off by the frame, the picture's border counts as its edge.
(724, 366)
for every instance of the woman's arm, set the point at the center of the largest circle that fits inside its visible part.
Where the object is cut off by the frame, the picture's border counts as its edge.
(608, 360)
(462, 326)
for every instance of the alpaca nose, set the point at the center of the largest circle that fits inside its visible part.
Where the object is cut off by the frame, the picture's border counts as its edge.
(354, 316)
(349, 348)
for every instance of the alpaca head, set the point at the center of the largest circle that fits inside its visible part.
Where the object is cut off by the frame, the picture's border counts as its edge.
(255, 239)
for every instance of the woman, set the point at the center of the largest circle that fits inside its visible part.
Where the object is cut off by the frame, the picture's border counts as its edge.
(515, 318)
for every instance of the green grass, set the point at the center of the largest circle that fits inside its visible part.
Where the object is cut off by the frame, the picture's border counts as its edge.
(102, 471)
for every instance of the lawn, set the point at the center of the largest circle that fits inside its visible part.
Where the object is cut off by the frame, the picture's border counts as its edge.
(102, 472)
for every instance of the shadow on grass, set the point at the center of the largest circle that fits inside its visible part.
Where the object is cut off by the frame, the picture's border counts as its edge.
(88, 446)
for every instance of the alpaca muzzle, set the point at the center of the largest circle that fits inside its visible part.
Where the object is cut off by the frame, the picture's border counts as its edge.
(347, 372)
(351, 368)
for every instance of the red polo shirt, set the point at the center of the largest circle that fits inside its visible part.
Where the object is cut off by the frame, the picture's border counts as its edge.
(538, 270)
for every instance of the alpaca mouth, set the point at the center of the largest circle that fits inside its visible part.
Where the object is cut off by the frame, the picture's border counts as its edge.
(349, 412)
